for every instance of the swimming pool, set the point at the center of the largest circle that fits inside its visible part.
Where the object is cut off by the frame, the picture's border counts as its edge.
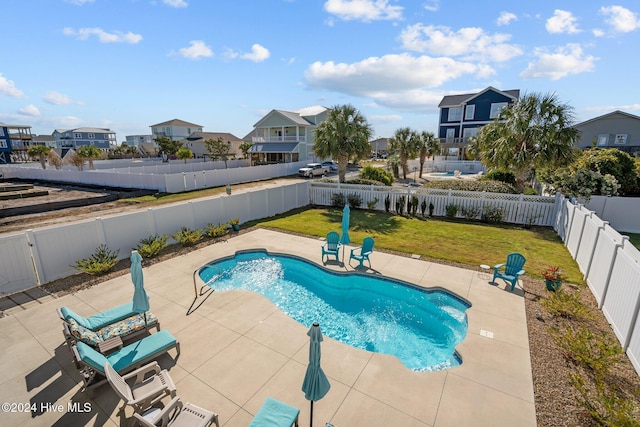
(421, 327)
(442, 174)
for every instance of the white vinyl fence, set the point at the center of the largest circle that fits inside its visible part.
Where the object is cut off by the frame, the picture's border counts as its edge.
(41, 255)
(611, 268)
(167, 177)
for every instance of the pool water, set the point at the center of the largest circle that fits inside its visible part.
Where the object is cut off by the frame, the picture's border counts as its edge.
(442, 174)
(420, 327)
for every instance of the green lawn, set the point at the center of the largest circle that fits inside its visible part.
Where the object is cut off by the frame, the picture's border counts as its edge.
(467, 243)
(634, 239)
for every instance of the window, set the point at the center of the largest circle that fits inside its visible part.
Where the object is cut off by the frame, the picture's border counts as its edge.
(469, 132)
(91, 136)
(603, 140)
(1, 131)
(621, 138)
(496, 108)
(77, 135)
(3, 143)
(455, 113)
(167, 130)
(469, 112)
(451, 134)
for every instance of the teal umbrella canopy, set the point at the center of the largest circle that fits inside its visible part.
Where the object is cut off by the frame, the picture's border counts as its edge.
(315, 384)
(140, 298)
(344, 239)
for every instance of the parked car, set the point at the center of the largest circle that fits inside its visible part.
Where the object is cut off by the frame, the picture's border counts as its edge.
(333, 166)
(313, 169)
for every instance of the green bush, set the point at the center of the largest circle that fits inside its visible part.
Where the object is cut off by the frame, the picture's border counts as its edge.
(413, 205)
(423, 206)
(354, 200)
(361, 181)
(101, 262)
(529, 191)
(604, 404)
(596, 352)
(219, 230)
(451, 211)
(188, 237)
(501, 175)
(338, 200)
(492, 214)
(387, 203)
(371, 204)
(377, 174)
(400, 204)
(471, 212)
(470, 185)
(566, 305)
(151, 246)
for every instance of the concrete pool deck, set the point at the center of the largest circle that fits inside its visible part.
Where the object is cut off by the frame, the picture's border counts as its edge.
(238, 349)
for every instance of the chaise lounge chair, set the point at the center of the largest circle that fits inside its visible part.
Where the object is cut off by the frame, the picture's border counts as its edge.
(176, 414)
(100, 320)
(331, 246)
(362, 253)
(91, 362)
(144, 391)
(512, 269)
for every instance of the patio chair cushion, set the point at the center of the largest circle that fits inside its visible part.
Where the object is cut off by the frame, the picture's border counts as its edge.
(131, 355)
(122, 329)
(275, 413)
(100, 320)
(83, 334)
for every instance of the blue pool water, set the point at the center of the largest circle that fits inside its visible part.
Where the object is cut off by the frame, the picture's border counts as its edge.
(442, 174)
(420, 327)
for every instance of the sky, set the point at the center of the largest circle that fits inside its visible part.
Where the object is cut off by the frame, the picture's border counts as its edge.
(129, 64)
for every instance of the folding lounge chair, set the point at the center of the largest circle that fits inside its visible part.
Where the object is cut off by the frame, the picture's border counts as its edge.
(512, 269)
(129, 329)
(100, 320)
(144, 391)
(331, 246)
(91, 362)
(176, 414)
(362, 253)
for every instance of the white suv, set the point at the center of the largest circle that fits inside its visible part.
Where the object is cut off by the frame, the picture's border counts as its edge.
(313, 169)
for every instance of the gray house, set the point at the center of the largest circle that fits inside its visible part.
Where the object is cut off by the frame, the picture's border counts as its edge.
(73, 138)
(613, 130)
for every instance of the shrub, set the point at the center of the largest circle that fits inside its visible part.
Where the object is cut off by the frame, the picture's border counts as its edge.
(431, 208)
(400, 203)
(501, 175)
(567, 305)
(188, 237)
(377, 174)
(354, 200)
(371, 204)
(413, 205)
(423, 206)
(338, 200)
(101, 262)
(219, 230)
(596, 352)
(471, 212)
(151, 246)
(469, 185)
(387, 203)
(451, 211)
(361, 181)
(492, 214)
(606, 407)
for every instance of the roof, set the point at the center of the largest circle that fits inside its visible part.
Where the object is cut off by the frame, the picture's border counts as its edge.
(89, 130)
(296, 117)
(455, 100)
(631, 116)
(176, 122)
(274, 147)
(311, 111)
(195, 136)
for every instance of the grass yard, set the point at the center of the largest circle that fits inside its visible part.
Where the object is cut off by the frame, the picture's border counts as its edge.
(634, 239)
(458, 241)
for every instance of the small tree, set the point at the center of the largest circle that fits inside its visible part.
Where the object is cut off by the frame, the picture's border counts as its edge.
(41, 152)
(90, 153)
(219, 149)
(184, 154)
(168, 145)
(429, 146)
(406, 144)
(54, 159)
(245, 147)
(77, 161)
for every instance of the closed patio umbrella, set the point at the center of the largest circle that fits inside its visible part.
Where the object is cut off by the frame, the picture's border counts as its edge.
(315, 384)
(344, 239)
(140, 298)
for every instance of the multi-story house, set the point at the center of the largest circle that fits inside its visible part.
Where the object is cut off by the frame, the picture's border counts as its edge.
(286, 136)
(73, 138)
(461, 116)
(136, 140)
(14, 140)
(613, 130)
(175, 129)
(195, 142)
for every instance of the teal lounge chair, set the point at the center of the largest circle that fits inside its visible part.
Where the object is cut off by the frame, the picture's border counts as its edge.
(100, 320)
(331, 246)
(362, 253)
(91, 362)
(512, 269)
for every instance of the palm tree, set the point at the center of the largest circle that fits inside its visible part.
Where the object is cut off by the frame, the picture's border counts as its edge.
(429, 146)
(184, 154)
(41, 152)
(90, 153)
(406, 144)
(343, 135)
(532, 133)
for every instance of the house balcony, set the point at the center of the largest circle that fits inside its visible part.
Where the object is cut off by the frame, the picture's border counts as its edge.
(275, 138)
(454, 142)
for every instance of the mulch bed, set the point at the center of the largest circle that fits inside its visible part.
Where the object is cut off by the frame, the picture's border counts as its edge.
(556, 400)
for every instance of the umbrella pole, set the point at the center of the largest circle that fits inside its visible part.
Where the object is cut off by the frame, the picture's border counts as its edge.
(311, 416)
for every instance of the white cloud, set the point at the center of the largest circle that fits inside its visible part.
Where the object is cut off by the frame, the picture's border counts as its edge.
(609, 108)
(175, 3)
(399, 81)
(391, 118)
(562, 21)
(8, 87)
(79, 2)
(505, 18)
(598, 32)
(197, 49)
(57, 98)
(621, 19)
(363, 10)
(470, 43)
(103, 36)
(432, 5)
(565, 61)
(258, 53)
(29, 110)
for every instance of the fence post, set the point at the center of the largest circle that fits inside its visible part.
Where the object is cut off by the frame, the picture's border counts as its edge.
(582, 232)
(570, 226)
(593, 250)
(613, 261)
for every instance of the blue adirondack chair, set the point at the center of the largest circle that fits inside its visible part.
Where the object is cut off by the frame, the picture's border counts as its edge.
(362, 253)
(331, 246)
(512, 269)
